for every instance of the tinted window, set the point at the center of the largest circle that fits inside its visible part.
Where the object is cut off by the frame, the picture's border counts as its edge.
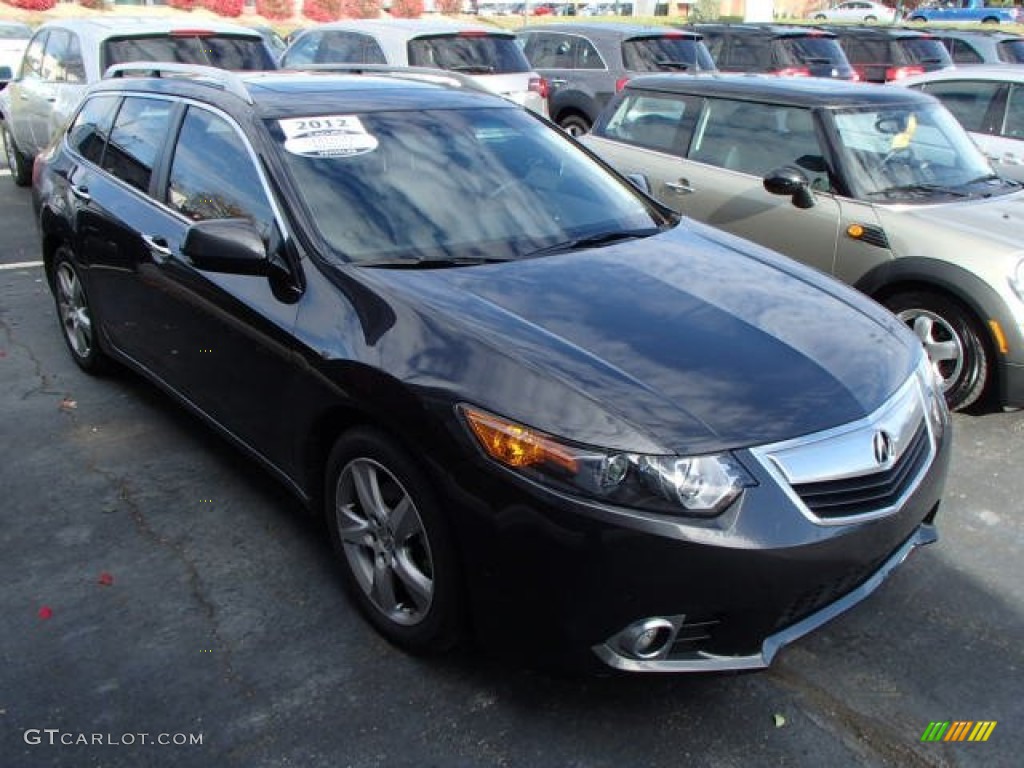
(969, 101)
(88, 134)
(549, 51)
(213, 175)
(32, 64)
(62, 61)
(139, 132)
(224, 51)
(475, 54)
(962, 53)
(1011, 51)
(1013, 126)
(349, 47)
(924, 51)
(663, 123)
(666, 54)
(303, 51)
(587, 56)
(809, 50)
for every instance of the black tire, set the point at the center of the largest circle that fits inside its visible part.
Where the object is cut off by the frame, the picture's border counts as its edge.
(949, 330)
(21, 168)
(75, 313)
(918, 18)
(990, 20)
(574, 124)
(870, 19)
(401, 571)
(821, 17)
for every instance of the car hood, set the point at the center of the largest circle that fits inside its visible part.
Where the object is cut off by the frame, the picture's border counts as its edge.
(997, 220)
(682, 342)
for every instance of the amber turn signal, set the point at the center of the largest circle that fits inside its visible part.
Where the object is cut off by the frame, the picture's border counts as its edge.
(514, 444)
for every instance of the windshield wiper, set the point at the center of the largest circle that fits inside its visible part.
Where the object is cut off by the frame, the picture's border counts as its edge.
(439, 263)
(473, 69)
(680, 66)
(594, 241)
(920, 189)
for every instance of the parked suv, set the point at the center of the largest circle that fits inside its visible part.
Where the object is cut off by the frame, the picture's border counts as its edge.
(522, 394)
(881, 53)
(776, 49)
(64, 56)
(585, 64)
(981, 46)
(488, 55)
(879, 186)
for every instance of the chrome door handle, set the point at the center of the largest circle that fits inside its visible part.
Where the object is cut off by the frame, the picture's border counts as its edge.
(82, 193)
(557, 81)
(681, 187)
(158, 245)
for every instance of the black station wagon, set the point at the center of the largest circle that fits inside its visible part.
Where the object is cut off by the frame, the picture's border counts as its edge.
(534, 406)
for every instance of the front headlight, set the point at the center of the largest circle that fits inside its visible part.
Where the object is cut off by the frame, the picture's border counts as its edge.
(701, 486)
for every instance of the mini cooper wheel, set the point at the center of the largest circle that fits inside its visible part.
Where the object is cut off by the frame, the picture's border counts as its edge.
(393, 543)
(574, 125)
(953, 341)
(75, 314)
(21, 168)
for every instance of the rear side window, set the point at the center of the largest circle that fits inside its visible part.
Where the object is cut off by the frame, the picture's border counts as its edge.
(1011, 51)
(962, 53)
(224, 51)
(970, 101)
(549, 51)
(666, 54)
(472, 53)
(662, 123)
(88, 134)
(139, 132)
(349, 47)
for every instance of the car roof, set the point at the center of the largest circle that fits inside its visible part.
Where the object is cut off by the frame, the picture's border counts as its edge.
(778, 30)
(612, 30)
(996, 72)
(114, 26)
(968, 34)
(877, 30)
(403, 29)
(795, 91)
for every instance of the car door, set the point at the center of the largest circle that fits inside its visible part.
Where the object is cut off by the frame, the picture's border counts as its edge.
(64, 74)
(27, 94)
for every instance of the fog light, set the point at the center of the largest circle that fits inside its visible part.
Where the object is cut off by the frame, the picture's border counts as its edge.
(647, 639)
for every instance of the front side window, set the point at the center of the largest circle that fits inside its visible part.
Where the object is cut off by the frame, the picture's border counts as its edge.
(213, 175)
(139, 133)
(970, 101)
(475, 53)
(232, 52)
(32, 63)
(659, 122)
(88, 133)
(62, 61)
(904, 152)
(1011, 51)
(483, 183)
(666, 53)
(547, 50)
(587, 56)
(962, 53)
(303, 51)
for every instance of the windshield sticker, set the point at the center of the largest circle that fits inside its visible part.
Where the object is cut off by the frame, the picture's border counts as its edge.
(327, 136)
(902, 139)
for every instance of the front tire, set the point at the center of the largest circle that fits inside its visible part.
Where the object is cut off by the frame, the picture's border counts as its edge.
(393, 543)
(21, 168)
(954, 341)
(77, 320)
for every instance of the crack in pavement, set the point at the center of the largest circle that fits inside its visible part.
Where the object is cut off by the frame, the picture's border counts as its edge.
(44, 378)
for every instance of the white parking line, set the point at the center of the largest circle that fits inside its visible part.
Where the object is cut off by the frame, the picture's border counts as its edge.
(5, 171)
(21, 265)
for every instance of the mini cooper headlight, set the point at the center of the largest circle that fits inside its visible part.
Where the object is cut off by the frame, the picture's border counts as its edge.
(701, 486)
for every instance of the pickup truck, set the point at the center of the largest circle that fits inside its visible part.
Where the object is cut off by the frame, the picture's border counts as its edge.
(967, 10)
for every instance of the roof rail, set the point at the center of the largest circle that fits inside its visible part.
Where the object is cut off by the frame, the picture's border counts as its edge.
(423, 74)
(215, 76)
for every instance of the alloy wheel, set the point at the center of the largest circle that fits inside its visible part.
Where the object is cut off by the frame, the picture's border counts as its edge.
(74, 311)
(942, 343)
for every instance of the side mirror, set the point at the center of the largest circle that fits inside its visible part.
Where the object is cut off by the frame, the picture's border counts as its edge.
(6, 73)
(639, 181)
(790, 181)
(226, 245)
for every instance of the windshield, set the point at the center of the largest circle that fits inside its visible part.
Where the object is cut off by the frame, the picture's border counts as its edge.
(665, 53)
(470, 52)
(488, 184)
(897, 152)
(224, 51)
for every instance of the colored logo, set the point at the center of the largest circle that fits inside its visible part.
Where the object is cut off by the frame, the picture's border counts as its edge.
(959, 730)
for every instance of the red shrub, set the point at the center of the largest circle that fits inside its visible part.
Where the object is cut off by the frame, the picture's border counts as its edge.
(274, 9)
(34, 5)
(230, 8)
(408, 9)
(182, 5)
(96, 5)
(322, 10)
(448, 7)
(360, 9)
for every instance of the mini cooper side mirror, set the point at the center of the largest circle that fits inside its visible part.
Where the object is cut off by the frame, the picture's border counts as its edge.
(790, 180)
(226, 245)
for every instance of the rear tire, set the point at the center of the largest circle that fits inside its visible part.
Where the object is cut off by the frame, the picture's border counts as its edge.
(954, 340)
(77, 319)
(21, 168)
(575, 125)
(395, 550)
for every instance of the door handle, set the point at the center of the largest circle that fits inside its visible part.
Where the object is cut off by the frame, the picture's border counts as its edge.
(557, 81)
(158, 246)
(681, 187)
(82, 193)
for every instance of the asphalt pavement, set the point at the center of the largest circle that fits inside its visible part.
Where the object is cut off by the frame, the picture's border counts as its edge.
(166, 603)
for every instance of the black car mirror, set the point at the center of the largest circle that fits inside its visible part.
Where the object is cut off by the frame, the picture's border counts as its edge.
(226, 245)
(639, 181)
(790, 181)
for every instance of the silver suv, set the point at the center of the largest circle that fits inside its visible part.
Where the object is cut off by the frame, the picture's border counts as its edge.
(63, 57)
(490, 56)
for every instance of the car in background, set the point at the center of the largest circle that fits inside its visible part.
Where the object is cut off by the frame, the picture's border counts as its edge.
(988, 100)
(487, 54)
(63, 57)
(856, 10)
(14, 37)
(585, 64)
(981, 46)
(879, 186)
(776, 49)
(880, 54)
(520, 393)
